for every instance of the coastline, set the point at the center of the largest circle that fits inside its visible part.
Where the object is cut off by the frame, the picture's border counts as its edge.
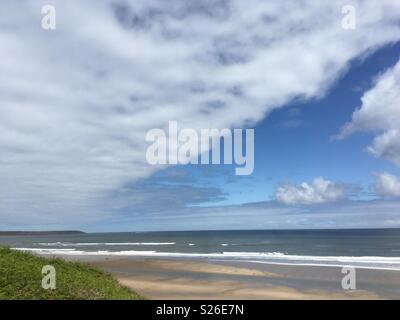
(207, 279)
(263, 264)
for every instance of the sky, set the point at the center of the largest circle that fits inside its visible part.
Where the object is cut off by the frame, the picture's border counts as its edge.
(77, 102)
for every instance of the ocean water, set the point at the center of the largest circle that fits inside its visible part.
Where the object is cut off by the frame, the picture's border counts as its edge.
(372, 248)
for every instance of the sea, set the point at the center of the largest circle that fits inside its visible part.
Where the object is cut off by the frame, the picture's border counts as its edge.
(366, 248)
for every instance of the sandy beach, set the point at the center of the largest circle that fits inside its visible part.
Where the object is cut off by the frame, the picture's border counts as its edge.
(258, 264)
(184, 279)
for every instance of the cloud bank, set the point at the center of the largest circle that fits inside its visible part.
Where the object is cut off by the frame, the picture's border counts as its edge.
(268, 215)
(77, 102)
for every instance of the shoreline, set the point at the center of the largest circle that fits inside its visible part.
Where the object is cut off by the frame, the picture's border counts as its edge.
(199, 279)
(388, 263)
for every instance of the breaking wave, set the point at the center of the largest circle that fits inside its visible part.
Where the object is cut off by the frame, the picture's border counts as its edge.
(368, 262)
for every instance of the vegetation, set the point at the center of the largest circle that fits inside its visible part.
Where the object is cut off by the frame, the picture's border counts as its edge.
(21, 278)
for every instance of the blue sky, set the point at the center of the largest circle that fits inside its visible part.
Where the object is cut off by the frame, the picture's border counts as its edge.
(305, 129)
(78, 101)
(305, 145)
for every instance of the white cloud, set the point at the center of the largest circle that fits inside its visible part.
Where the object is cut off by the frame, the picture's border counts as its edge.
(76, 102)
(380, 112)
(387, 185)
(318, 191)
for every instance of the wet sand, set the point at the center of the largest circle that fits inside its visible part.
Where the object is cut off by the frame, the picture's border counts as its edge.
(183, 279)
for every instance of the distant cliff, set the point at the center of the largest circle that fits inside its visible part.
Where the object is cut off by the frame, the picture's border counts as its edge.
(38, 233)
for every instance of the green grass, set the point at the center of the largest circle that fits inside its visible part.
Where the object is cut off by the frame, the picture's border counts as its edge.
(21, 278)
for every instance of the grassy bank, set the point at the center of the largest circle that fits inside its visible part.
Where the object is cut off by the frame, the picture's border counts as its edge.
(21, 278)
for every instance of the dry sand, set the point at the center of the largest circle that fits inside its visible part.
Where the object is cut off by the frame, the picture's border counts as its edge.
(187, 288)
